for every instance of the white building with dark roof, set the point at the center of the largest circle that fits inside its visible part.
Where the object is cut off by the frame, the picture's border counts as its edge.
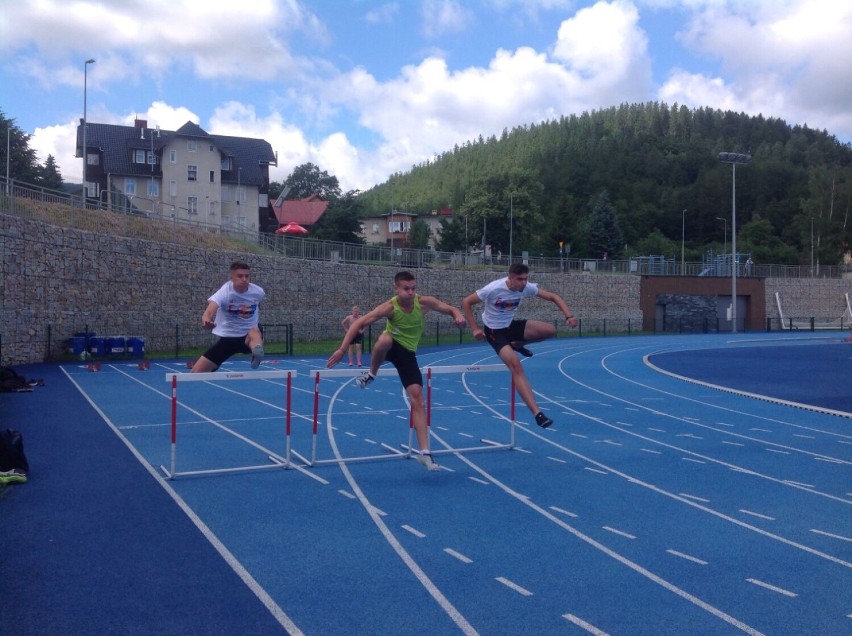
(187, 174)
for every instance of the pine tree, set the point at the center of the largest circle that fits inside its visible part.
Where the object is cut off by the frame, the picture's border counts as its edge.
(605, 237)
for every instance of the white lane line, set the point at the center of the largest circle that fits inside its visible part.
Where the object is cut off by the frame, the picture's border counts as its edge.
(693, 497)
(773, 588)
(595, 470)
(797, 483)
(620, 533)
(724, 441)
(414, 531)
(579, 622)
(830, 460)
(458, 555)
(829, 534)
(514, 586)
(579, 435)
(756, 514)
(349, 495)
(563, 512)
(557, 460)
(694, 461)
(380, 512)
(775, 450)
(688, 557)
(478, 480)
(648, 450)
(370, 441)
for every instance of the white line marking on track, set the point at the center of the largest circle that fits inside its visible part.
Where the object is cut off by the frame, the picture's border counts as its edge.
(349, 495)
(620, 533)
(563, 512)
(830, 460)
(580, 436)
(413, 531)
(514, 586)
(579, 622)
(478, 480)
(724, 441)
(694, 461)
(595, 470)
(648, 450)
(557, 460)
(829, 534)
(693, 497)
(458, 555)
(797, 483)
(688, 557)
(756, 514)
(773, 588)
(775, 450)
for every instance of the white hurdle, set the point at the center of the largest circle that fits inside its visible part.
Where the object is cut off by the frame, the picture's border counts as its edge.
(278, 461)
(487, 445)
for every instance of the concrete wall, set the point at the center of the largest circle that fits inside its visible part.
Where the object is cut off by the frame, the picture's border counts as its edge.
(59, 281)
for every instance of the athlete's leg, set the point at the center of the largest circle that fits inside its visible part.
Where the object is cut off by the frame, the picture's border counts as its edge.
(380, 350)
(537, 330)
(418, 415)
(522, 384)
(203, 365)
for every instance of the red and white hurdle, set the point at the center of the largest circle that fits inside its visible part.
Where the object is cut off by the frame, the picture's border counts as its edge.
(407, 449)
(277, 461)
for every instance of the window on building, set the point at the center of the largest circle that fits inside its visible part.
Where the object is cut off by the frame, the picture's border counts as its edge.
(375, 228)
(212, 148)
(153, 189)
(241, 221)
(93, 158)
(172, 156)
(398, 226)
(130, 186)
(191, 145)
(139, 156)
(226, 164)
(212, 176)
(226, 192)
(172, 188)
(151, 158)
(91, 189)
(192, 173)
(262, 200)
(192, 205)
(211, 208)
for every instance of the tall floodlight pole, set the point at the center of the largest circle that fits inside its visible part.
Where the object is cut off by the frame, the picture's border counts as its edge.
(725, 236)
(682, 237)
(85, 191)
(511, 222)
(734, 158)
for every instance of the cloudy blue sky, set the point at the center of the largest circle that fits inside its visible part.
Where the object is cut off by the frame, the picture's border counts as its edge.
(367, 88)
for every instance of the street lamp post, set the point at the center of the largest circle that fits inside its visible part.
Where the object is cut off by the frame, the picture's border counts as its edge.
(511, 223)
(734, 158)
(85, 190)
(725, 236)
(682, 237)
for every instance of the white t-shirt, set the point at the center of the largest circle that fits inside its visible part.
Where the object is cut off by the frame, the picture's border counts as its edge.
(237, 312)
(501, 303)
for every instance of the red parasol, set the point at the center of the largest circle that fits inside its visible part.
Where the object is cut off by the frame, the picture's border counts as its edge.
(291, 228)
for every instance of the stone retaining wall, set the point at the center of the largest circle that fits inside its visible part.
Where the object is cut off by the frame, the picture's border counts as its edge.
(59, 281)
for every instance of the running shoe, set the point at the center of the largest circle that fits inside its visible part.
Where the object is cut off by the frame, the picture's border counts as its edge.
(364, 379)
(427, 461)
(256, 356)
(542, 420)
(13, 476)
(523, 350)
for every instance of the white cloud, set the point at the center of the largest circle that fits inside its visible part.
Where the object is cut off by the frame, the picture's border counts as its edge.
(441, 17)
(781, 59)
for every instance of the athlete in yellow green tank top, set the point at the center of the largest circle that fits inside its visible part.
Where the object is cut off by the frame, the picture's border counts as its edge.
(406, 327)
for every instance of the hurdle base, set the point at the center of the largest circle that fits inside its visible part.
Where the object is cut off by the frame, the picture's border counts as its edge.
(223, 471)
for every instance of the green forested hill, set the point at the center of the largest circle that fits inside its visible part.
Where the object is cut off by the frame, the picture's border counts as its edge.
(654, 162)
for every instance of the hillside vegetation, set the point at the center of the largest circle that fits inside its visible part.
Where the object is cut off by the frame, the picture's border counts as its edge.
(650, 162)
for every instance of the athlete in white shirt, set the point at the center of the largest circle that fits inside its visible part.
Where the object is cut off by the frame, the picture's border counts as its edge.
(232, 314)
(505, 334)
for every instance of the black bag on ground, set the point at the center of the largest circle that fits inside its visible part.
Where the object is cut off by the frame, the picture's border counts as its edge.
(12, 451)
(11, 381)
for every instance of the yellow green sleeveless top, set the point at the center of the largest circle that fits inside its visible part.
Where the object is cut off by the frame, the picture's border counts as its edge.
(406, 328)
